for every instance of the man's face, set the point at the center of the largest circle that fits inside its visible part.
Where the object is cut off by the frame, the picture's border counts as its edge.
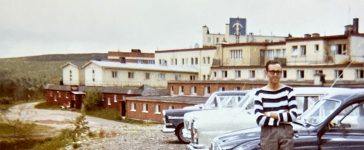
(274, 73)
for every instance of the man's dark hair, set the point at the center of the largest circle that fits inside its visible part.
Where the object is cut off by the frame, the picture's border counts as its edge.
(271, 62)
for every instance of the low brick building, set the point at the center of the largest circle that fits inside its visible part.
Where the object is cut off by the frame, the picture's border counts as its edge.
(150, 108)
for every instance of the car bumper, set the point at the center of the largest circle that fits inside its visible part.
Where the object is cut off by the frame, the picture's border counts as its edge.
(197, 147)
(165, 129)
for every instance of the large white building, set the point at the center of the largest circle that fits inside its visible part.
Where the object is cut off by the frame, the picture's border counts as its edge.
(107, 73)
(337, 57)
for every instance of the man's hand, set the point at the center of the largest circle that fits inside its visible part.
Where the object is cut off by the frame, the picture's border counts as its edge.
(271, 114)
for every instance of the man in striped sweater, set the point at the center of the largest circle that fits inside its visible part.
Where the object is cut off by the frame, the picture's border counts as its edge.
(275, 107)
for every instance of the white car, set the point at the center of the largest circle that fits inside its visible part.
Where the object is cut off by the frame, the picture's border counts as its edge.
(203, 126)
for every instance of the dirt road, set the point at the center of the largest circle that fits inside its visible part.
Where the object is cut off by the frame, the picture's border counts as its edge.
(119, 135)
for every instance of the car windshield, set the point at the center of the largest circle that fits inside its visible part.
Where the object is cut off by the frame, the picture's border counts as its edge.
(225, 100)
(319, 112)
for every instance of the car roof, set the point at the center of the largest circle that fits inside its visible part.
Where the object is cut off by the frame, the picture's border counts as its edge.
(346, 96)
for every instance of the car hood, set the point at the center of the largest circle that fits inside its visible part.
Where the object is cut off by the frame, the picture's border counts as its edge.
(180, 112)
(221, 119)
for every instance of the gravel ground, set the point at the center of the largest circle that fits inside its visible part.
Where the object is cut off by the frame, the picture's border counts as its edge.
(110, 135)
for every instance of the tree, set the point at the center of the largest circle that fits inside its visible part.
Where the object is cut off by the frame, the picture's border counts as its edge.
(92, 100)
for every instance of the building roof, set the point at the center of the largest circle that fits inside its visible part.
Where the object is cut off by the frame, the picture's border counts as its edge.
(144, 90)
(187, 49)
(169, 99)
(136, 66)
(77, 64)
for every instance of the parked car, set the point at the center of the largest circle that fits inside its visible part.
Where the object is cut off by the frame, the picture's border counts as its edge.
(205, 125)
(336, 122)
(173, 118)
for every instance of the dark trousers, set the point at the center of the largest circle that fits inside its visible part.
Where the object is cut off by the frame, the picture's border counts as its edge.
(277, 138)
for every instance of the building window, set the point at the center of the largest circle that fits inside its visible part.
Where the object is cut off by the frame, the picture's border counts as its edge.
(193, 90)
(300, 74)
(175, 61)
(196, 60)
(338, 49)
(108, 101)
(294, 51)
(359, 73)
(157, 109)
(177, 76)
(183, 61)
(222, 88)
(284, 74)
(147, 76)
(93, 71)
(59, 94)
(170, 107)
(204, 60)
(339, 74)
(132, 106)
(192, 78)
(130, 75)
(191, 61)
(207, 90)
(237, 88)
(114, 74)
(162, 76)
(51, 94)
(270, 54)
(74, 97)
(251, 73)
(70, 75)
(215, 74)
(224, 74)
(208, 77)
(317, 47)
(145, 108)
(235, 54)
(237, 73)
(303, 50)
(115, 99)
(181, 90)
(208, 60)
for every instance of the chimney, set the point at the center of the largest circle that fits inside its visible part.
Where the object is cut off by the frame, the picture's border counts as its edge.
(356, 25)
(307, 35)
(315, 35)
(348, 29)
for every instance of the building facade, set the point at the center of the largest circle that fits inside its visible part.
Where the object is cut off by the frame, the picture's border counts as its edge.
(134, 56)
(105, 73)
(198, 58)
(73, 74)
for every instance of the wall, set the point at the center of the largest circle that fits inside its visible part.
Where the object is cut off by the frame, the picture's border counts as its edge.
(150, 115)
(75, 75)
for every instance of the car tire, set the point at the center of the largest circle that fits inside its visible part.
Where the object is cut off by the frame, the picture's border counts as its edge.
(179, 134)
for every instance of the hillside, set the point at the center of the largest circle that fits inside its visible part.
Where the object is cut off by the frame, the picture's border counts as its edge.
(28, 73)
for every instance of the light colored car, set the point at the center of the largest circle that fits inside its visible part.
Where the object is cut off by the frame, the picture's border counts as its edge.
(173, 118)
(201, 127)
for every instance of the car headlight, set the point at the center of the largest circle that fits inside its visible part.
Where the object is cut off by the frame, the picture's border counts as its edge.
(251, 145)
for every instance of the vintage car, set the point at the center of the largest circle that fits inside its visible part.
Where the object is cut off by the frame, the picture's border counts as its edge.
(173, 118)
(201, 127)
(335, 122)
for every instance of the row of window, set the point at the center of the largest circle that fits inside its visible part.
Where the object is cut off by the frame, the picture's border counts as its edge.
(161, 76)
(145, 109)
(185, 61)
(207, 90)
(359, 74)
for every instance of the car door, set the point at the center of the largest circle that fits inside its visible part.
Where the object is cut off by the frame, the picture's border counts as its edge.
(346, 130)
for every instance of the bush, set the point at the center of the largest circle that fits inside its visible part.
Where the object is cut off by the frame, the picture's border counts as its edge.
(92, 100)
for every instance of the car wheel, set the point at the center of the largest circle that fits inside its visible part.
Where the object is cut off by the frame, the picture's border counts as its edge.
(179, 134)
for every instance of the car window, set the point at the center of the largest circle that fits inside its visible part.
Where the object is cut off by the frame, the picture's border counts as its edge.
(311, 100)
(351, 117)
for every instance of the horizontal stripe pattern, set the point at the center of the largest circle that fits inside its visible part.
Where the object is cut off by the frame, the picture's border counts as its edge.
(282, 101)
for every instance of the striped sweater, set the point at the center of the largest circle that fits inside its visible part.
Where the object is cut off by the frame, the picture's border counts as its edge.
(282, 101)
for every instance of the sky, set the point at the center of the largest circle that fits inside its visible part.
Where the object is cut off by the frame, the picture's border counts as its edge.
(37, 27)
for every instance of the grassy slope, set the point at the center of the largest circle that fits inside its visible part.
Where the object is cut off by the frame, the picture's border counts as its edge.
(45, 68)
